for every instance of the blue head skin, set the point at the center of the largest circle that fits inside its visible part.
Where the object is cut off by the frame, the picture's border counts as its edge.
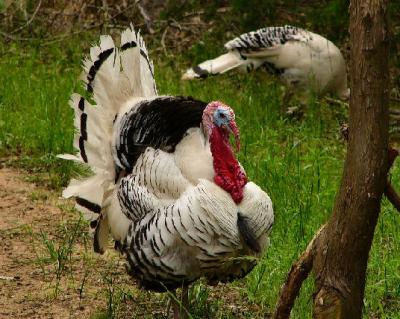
(223, 117)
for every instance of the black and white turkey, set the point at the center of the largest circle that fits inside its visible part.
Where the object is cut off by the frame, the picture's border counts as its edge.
(300, 58)
(166, 183)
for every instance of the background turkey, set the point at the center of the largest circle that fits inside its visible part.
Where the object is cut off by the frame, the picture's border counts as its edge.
(166, 182)
(300, 58)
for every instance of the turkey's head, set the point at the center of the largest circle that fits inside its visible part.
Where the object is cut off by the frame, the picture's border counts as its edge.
(219, 123)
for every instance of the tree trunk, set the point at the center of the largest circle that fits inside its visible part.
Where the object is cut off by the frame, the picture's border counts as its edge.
(342, 250)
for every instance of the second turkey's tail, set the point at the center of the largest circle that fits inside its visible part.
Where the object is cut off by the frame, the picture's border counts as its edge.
(111, 77)
(219, 65)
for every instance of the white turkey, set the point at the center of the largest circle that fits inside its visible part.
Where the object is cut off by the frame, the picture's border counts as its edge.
(300, 58)
(166, 183)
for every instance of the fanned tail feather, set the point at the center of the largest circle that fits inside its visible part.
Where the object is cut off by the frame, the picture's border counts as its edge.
(111, 77)
(136, 64)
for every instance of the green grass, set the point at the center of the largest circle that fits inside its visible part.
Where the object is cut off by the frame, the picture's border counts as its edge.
(57, 252)
(298, 162)
(35, 120)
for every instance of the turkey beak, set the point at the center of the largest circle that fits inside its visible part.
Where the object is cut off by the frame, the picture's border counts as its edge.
(235, 131)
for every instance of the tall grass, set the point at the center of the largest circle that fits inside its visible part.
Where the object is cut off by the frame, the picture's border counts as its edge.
(35, 120)
(298, 162)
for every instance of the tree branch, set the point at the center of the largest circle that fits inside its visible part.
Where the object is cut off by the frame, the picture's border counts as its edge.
(392, 196)
(298, 273)
(390, 192)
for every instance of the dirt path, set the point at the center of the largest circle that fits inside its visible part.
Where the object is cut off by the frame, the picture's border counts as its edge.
(39, 276)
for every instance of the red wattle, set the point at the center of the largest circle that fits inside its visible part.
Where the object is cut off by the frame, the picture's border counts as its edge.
(228, 174)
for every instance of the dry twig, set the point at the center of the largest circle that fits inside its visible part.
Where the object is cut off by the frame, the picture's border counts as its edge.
(163, 40)
(30, 20)
(146, 17)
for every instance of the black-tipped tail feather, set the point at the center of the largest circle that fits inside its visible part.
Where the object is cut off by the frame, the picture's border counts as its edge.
(201, 73)
(221, 64)
(93, 207)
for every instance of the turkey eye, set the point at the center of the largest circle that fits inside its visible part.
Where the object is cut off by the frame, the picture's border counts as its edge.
(221, 115)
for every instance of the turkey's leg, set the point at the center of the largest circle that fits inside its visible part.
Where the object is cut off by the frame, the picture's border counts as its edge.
(185, 302)
(181, 307)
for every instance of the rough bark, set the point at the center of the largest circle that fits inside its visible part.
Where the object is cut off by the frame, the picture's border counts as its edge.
(342, 252)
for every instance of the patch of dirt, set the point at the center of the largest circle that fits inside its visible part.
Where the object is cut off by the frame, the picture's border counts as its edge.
(29, 285)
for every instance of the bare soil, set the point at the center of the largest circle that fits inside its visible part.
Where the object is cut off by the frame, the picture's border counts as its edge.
(28, 279)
